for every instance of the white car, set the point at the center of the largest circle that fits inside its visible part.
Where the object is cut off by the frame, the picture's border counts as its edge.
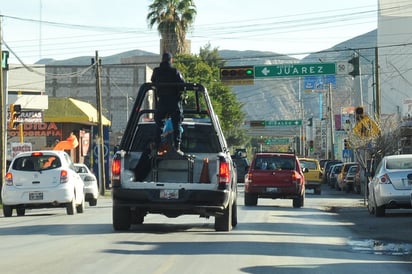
(91, 189)
(42, 179)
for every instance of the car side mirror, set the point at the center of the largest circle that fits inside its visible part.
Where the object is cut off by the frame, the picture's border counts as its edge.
(305, 169)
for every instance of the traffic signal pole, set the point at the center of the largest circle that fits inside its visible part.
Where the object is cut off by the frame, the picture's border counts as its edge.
(332, 138)
(3, 129)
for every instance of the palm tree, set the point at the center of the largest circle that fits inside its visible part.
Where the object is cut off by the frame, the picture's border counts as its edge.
(173, 19)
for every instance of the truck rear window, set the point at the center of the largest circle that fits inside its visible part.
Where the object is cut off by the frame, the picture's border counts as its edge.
(196, 138)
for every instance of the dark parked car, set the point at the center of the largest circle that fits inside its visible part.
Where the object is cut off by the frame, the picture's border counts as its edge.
(326, 165)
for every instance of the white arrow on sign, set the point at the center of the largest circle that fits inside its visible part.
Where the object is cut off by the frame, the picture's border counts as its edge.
(265, 71)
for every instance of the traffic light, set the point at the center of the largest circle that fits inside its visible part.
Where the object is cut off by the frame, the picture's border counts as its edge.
(15, 111)
(237, 75)
(346, 144)
(311, 145)
(355, 63)
(310, 122)
(359, 113)
(5, 59)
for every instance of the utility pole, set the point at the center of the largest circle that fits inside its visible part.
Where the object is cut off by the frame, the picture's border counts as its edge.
(100, 138)
(3, 129)
(377, 87)
(332, 138)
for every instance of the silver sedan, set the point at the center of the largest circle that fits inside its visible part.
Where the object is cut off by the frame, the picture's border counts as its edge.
(390, 187)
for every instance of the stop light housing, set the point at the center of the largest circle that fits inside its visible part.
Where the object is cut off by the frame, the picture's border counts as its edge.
(311, 145)
(346, 144)
(5, 60)
(359, 113)
(15, 111)
(355, 63)
(310, 122)
(237, 75)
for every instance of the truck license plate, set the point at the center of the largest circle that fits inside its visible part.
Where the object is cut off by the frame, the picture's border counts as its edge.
(35, 196)
(169, 194)
(272, 189)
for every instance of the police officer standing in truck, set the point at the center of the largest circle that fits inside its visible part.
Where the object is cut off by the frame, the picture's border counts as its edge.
(169, 98)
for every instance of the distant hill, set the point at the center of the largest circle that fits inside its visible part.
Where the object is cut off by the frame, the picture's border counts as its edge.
(86, 60)
(277, 98)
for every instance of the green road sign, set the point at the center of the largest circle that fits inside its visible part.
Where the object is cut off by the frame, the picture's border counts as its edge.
(292, 70)
(278, 141)
(283, 123)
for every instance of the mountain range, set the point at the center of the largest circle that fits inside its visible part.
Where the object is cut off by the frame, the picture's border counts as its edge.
(282, 98)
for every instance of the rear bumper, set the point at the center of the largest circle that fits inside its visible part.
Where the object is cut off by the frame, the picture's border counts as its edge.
(203, 202)
(52, 196)
(276, 192)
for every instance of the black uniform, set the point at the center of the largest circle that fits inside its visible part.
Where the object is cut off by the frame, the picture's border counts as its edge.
(169, 98)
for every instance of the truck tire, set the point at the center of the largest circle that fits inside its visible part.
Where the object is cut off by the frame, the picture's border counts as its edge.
(20, 211)
(234, 214)
(137, 216)
(121, 218)
(224, 222)
(7, 211)
(250, 199)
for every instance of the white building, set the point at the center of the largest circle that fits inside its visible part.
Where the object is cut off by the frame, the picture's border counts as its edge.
(395, 56)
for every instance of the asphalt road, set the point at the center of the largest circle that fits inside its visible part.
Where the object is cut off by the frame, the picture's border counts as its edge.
(392, 233)
(332, 233)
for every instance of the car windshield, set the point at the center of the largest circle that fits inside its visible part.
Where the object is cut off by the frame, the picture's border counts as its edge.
(36, 163)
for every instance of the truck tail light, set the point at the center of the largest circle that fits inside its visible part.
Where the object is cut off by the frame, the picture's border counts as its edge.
(9, 179)
(64, 178)
(224, 174)
(116, 172)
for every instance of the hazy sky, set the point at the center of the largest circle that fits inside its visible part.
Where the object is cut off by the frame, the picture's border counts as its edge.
(62, 29)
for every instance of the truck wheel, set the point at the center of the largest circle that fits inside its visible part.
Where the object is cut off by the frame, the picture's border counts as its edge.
(234, 214)
(20, 211)
(137, 216)
(121, 218)
(224, 222)
(7, 211)
(250, 199)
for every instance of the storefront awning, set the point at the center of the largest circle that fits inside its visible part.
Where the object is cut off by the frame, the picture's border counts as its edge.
(69, 110)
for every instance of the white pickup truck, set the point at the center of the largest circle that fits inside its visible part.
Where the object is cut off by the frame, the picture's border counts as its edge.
(201, 182)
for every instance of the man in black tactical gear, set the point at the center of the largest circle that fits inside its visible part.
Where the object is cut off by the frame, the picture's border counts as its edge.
(169, 98)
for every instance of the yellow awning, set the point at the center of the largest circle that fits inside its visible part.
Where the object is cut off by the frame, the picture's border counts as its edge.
(69, 110)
